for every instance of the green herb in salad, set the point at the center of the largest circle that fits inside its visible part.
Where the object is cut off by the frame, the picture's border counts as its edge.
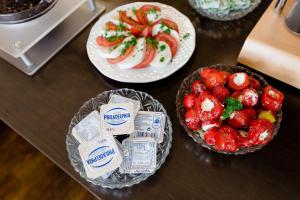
(162, 47)
(186, 36)
(121, 26)
(165, 28)
(152, 42)
(232, 105)
(114, 38)
(134, 10)
(162, 59)
(128, 44)
(152, 10)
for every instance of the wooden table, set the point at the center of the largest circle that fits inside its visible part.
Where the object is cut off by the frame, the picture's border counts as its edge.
(39, 108)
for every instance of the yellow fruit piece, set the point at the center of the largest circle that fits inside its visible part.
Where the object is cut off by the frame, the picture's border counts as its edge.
(268, 115)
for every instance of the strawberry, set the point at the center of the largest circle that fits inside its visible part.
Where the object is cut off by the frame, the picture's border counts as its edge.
(221, 92)
(208, 107)
(243, 139)
(205, 71)
(210, 136)
(215, 78)
(272, 99)
(192, 120)
(260, 131)
(236, 95)
(189, 101)
(226, 139)
(198, 87)
(241, 118)
(254, 83)
(249, 97)
(207, 125)
(238, 81)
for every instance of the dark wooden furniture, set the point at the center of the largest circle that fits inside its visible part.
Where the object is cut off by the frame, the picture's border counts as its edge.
(39, 108)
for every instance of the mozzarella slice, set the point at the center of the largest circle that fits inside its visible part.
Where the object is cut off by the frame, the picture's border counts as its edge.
(118, 50)
(131, 14)
(107, 34)
(163, 55)
(112, 52)
(157, 28)
(136, 56)
(103, 52)
(153, 16)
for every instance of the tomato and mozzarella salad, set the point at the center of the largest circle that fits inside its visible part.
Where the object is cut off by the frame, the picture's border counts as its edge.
(139, 37)
(231, 111)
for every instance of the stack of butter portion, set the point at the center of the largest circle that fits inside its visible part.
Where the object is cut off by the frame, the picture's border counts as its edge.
(101, 153)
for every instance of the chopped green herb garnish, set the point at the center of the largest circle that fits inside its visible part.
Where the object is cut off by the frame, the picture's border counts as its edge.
(128, 44)
(162, 25)
(152, 10)
(152, 42)
(134, 10)
(165, 28)
(121, 26)
(162, 59)
(162, 47)
(186, 36)
(114, 37)
(232, 105)
(168, 31)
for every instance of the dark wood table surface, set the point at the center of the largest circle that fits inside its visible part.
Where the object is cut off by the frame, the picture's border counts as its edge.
(39, 108)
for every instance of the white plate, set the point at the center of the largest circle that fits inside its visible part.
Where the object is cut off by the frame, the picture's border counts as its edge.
(148, 74)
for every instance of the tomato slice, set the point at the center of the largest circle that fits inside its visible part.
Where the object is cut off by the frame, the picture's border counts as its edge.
(137, 29)
(128, 20)
(102, 41)
(168, 23)
(170, 40)
(141, 16)
(146, 8)
(111, 26)
(147, 32)
(149, 55)
(122, 56)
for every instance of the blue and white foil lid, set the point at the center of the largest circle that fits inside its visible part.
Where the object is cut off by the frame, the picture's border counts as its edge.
(117, 118)
(100, 156)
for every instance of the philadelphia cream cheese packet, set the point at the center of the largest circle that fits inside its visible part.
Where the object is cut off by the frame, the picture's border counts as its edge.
(139, 155)
(87, 128)
(120, 99)
(117, 118)
(100, 156)
(150, 124)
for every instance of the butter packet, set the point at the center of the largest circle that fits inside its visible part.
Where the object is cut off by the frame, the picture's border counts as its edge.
(149, 124)
(100, 156)
(117, 118)
(120, 99)
(139, 155)
(88, 128)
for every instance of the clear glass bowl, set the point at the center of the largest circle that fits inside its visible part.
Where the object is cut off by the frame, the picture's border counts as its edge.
(232, 15)
(117, 179)
(185, 88)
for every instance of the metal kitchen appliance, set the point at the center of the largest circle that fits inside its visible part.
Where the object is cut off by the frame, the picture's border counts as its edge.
(30, 37)
(292, 20)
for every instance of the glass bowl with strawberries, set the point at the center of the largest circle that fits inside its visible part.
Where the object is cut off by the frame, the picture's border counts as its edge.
(229, 109)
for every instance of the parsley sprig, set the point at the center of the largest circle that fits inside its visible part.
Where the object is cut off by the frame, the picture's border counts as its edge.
(232, 105)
